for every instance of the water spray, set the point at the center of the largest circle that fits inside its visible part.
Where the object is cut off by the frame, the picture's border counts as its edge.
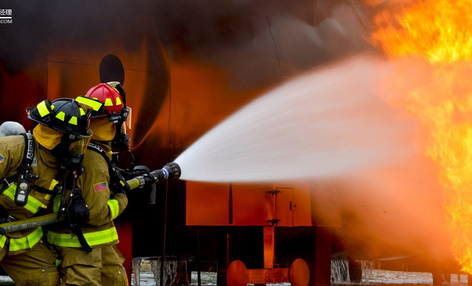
(328, 122)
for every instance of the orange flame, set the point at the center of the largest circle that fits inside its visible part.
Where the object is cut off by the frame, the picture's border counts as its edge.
(439, 32)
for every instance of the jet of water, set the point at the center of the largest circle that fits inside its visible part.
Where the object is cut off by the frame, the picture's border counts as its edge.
(323, 123)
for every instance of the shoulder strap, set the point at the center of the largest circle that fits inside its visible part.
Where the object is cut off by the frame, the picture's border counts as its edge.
(29, 149)
(28, 156)
(24, 187)
(116, 179)
(99, 150)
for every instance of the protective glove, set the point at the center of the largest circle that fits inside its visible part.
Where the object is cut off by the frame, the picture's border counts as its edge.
(77, 213)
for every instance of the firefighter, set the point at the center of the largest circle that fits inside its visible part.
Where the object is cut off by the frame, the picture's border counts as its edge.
(98, 262)
(31, 166)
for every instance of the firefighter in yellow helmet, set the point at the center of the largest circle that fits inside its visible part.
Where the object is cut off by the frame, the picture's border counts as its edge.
(30, 165)
(99, 262)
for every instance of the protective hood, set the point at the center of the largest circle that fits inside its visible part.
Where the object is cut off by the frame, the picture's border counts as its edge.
(47, 137)
(103, 129)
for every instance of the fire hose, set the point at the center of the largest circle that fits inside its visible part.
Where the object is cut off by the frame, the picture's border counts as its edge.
(169, 171)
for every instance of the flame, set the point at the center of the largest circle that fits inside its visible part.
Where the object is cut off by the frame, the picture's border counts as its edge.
(438, 32)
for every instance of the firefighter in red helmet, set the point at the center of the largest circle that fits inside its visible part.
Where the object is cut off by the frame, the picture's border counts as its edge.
(31, 166)
(102, 262)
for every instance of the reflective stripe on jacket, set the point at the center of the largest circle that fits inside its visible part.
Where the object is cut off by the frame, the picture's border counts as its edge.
(32, 204)
(21, 243)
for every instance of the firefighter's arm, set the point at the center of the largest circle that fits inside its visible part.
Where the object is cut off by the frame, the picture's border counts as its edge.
(117, 204)
(96, 193)
(11, 155)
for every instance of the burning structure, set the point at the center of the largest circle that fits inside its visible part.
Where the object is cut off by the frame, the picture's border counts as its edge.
(188, 66)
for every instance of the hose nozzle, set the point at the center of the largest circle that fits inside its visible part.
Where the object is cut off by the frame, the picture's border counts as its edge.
(169, 171)
(173, 169)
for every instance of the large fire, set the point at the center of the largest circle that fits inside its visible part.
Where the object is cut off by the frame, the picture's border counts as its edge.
(439, 32)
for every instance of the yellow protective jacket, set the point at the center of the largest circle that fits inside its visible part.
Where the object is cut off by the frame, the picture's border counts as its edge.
(44, 165)
(103, 206)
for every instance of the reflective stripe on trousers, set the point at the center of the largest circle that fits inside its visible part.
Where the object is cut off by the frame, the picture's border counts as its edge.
(93, 238)
(21, 243)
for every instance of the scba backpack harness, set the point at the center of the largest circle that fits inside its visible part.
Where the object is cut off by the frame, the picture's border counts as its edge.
(118, 184)
(76, 213)
(24, 187)
(18, 186)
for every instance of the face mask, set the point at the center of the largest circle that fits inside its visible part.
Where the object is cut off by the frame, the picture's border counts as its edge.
(75, 154)
(121, 139)
(78, 147)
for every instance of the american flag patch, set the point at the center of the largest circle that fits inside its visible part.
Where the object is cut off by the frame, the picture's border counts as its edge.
(100, 187)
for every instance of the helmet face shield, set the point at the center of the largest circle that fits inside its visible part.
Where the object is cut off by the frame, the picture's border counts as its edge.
(128, 117)
(78, 147)
(122, 131)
